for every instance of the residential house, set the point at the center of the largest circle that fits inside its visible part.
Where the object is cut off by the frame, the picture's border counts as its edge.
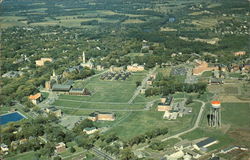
(90, 130)
(4, 147)
(240, 53)
(36, 98)
(60, 147)
(12, 74)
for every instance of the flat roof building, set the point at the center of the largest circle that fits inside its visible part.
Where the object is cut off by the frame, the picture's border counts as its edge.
(78, 91)
(61, 88)
(205, 143)
(101, 116)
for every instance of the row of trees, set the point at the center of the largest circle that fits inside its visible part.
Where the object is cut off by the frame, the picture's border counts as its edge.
(167, 88)
(147, 136)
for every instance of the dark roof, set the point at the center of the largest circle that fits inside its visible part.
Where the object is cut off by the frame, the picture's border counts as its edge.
(205, 142)
(76, 90)
(214, 158)
(169, 100)
(89, 128)
(97, 112)
(52, 108)
(61, 87)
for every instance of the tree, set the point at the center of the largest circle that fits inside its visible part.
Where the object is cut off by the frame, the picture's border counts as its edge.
(189, 100)
(126, 154)
(57, 158)
(72, 149)
(138, 83)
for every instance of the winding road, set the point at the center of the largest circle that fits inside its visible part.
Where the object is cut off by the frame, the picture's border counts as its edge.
(196, 125)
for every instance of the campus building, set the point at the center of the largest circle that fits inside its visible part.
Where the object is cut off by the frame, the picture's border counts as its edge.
(165, 104)
(54, 110)
(36, 98)
(101, 116)
(78, 91)
(135, 68)
(61, 88)
(205, 143)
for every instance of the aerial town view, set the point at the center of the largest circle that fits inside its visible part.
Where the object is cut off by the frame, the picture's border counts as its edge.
(125, 80)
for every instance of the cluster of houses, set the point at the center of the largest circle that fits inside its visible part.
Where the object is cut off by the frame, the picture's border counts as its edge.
(191, 149)
(115, 75)
(12, 74)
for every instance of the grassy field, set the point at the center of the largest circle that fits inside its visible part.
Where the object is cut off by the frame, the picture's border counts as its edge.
(105, 94)
(137, 123)
(235, 126)
(223, 139)
(133, 21)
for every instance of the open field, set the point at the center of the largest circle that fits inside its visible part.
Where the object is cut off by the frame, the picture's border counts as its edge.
(139, 123)
(105, 94)
(238, 92)
(235, 126)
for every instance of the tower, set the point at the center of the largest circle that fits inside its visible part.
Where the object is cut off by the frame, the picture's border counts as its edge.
(83, 57)
(215, 114)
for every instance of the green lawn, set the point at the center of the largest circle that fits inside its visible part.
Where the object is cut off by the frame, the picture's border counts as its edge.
(139, 123)
(236, 114)
(207, 74)
(105, 94)
(223, 139)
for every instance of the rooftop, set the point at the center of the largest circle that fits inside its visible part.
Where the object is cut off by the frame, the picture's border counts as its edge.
(35, 96)
(61, 87)
(52, 108)
(89, 128)
(205, 142)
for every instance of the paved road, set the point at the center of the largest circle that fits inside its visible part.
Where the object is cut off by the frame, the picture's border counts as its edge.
(99, 102)
(196, 125)
(144, 81)
(101, 154)
(120, 110)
